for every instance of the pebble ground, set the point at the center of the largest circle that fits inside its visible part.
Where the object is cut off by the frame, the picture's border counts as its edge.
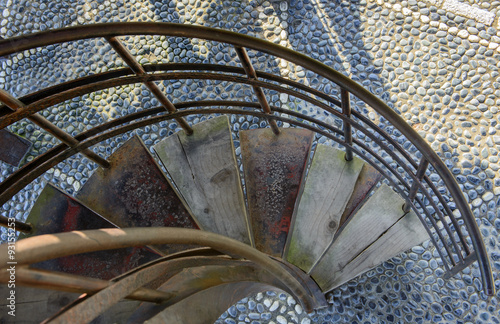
(437, 69)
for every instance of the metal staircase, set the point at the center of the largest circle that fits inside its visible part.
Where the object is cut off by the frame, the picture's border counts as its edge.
(233, 212)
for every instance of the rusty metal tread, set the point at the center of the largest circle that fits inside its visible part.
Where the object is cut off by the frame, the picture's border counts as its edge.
(274, 168)
(56, 212)
(13, 148)
(134, 192)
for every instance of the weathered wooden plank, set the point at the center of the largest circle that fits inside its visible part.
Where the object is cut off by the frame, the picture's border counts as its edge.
(208, 305)
(32, 305)
(56, 212)
(13, 148)
(193, 280)
(204, 169)
(402, 236)
(274, 169)
(327, 189)
(379, 213)
(367, 181)
(134, 192)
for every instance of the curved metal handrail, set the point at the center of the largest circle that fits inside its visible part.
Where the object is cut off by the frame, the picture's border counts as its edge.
(51, 246)
(111, 30)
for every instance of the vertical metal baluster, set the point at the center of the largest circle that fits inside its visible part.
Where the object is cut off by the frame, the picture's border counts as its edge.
(139, 70)
(259, 93)
(346, 110)
(14, 104)
(422, 167)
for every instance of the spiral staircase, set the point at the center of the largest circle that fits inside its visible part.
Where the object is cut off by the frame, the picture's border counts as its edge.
(206, 222)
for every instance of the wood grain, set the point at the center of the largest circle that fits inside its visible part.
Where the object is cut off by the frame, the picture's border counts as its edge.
(327, 189)
(380, 212)
(402, 236)
(204, 169)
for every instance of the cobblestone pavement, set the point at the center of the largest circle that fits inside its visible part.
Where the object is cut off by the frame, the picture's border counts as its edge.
(435, 62)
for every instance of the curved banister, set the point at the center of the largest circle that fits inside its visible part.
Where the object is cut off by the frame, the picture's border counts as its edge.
(25, 42)
(51, 246)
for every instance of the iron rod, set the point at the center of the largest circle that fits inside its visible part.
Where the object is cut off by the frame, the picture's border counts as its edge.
(259, 93)
(19, 226)
(422, 167)
(346, 110)
(78, 284)
(14, 104)
(139, 70)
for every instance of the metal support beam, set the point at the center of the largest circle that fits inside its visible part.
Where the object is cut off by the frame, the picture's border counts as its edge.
(15, 224)
(346, 110)
(139, 70)
(259, 93)
(14, 104)
(70, 283)
(422, 167)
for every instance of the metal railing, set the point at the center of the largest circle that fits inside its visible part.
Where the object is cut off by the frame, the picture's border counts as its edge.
(445, 215)
(102, 294)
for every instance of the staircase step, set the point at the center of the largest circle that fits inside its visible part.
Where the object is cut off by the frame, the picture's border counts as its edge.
(56, 212)
(207, 306)
(402, 236)
(204, 169)
(327, 189)
(274, 168)
(13, 148)
(33, 305)
(134, 192)
(193, 280)
(366, 239)
(367, 181)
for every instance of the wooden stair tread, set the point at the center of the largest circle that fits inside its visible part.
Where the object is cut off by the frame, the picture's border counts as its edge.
(56, 212)
(206, 306)
(274, 169)
(378, 215)
(190, 281)
(402, 236)
(204, 169)
(327, 189)
(134, 192)
(367, 181)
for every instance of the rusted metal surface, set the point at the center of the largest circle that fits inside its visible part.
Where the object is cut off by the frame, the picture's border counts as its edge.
(274, 168)
(346, 110)
(134, 192)
(13, 148)
(367, 180)
(39, 120)
(76, 284)
(15, 225)
(56, 212)
(45, 247)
